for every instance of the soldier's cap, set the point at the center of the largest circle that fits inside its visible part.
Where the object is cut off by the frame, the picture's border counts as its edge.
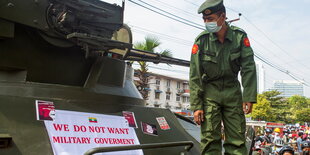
(211, 6)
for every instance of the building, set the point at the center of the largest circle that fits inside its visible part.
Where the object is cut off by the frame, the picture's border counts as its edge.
(261, 80)
(288, 88)
(168, 92)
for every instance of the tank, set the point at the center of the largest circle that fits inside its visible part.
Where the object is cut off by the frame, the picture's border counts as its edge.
(65, 61)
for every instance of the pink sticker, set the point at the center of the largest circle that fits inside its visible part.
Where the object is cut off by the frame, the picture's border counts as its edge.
(45, 110)
(163, 123)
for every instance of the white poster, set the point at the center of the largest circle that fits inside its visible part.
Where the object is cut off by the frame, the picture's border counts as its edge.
(73, 133)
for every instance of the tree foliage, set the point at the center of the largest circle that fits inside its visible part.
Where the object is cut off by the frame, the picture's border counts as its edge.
(298, 102)
(302, 115)
(150, 44)
(278, 106)
(262, 109)
(300, 108)
(273, 108)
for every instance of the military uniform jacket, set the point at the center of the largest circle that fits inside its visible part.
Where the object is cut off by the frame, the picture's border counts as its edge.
(214, 69)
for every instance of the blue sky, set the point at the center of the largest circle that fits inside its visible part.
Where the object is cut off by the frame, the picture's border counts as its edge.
(278, 30)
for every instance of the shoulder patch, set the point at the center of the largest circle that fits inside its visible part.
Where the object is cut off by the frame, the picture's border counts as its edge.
(246, 42)
(195, 49)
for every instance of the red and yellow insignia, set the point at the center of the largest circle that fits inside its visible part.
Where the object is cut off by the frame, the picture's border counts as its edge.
(246, 42)
(195, 49)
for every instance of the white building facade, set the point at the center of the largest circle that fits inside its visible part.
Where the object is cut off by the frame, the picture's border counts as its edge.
(261, 79)
(168, 92)
(288, 88)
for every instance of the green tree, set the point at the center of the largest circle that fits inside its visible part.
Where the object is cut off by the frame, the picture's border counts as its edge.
(298, 102)
(273, 97)
(302, 115)
(262, 109)
(150, 44)
(300, 108)
(274, 108)
(278, 105)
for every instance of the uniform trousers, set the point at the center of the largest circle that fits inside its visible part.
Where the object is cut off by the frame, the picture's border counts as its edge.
(233, 118)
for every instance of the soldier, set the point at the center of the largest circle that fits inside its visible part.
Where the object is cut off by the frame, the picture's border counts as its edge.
(219, 53)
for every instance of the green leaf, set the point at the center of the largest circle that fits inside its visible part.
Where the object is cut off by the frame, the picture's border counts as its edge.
(150, 44)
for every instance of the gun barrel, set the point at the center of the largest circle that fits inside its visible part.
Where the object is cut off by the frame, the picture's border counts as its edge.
(142, 55)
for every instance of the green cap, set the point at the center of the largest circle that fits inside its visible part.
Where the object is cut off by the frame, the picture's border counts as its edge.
(210, 6)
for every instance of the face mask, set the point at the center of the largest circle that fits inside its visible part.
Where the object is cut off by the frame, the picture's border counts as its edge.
(277, 134)
(212, 26)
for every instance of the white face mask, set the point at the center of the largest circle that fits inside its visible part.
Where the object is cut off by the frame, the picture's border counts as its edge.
(212, 26)
(276, 134)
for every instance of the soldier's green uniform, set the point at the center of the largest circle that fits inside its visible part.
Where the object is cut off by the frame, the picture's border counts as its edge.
(214, 87)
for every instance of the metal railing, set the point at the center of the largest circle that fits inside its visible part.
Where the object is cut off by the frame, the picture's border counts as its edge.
(188, 144)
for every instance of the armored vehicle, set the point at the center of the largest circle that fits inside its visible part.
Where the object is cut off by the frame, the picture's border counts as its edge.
(64, 60)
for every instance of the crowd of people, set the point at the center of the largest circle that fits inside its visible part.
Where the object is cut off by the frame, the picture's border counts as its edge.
(290, 140)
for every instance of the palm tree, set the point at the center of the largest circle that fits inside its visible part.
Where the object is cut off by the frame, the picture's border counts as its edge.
(150, 43)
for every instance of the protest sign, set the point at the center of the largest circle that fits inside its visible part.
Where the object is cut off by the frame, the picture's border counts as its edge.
(76, 132)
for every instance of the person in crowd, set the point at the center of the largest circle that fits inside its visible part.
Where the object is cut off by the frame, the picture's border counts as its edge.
(294, 133)
(299, 141)
(304, 136)
(286, 150)
(276, 134)
(278, 144)
(285, 138)
(267, 137)
(305, 146)
(258, 142)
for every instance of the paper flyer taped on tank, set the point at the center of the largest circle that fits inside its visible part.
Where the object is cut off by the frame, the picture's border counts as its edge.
(130, 117)
(74, 133)
(149, 129)
(45, 110)
(163, 123)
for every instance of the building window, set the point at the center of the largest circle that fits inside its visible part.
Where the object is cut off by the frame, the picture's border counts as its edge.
(185, 99)
(179, 85)
(157, 95)
(168, 106)
(157, 81)
(185, 85)
(177, 97)
(168, 83)
(167, 96)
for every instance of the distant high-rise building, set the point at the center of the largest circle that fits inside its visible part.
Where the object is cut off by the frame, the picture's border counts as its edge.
(260, 71)
(288, 88)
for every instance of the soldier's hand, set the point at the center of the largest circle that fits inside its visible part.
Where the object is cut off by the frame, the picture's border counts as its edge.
(199, 116)
(247, 107)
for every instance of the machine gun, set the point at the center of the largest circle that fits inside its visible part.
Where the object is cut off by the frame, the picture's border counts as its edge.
(96, 26)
